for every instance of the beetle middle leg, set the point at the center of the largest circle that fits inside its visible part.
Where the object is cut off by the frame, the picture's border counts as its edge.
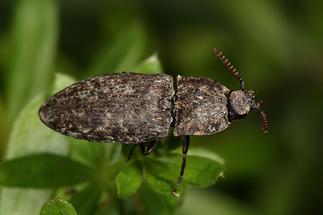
(148, 148)
(186, 144)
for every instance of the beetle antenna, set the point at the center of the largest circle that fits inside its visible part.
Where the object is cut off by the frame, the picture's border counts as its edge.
(229, 66)
(263, 118)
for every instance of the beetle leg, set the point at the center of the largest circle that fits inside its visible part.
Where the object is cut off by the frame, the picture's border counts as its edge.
(150, 147)
(186, 144)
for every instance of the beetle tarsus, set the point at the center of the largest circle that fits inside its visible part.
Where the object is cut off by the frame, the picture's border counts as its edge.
(186, 144)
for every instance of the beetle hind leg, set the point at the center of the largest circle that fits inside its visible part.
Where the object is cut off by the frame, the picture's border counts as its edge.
(186, 143)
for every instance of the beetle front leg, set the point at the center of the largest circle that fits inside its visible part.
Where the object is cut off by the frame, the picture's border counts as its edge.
(148, 148)
(186, 144)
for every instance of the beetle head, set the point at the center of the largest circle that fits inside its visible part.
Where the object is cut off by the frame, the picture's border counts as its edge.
(241, 102)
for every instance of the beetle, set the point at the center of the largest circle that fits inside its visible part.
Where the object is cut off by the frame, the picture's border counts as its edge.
(131, 108)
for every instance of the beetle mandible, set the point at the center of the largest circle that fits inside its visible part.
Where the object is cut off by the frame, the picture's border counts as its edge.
(132, 108)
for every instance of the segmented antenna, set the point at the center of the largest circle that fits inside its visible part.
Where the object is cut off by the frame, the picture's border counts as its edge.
(263, 118)
(229, 66)
(265, 124)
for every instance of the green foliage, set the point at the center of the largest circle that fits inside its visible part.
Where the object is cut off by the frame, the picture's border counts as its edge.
(122, 53)
(149, 66)
(30, 136)
(32, 45)
(58, 207)
(86, 200)
(156, 204)
(201, 171)
(43, 171)
(128, 181)
(276, 47)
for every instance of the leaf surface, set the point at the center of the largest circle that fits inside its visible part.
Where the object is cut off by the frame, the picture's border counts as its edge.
(58, 207)
(29, 135)
(128, 181)
(43, 171)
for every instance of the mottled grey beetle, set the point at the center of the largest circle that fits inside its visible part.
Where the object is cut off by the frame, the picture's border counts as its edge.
(134, 108)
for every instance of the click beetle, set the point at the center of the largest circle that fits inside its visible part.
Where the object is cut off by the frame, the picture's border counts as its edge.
(131, 108)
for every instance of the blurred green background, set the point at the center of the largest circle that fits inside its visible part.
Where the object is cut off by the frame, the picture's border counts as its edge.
(276, 45)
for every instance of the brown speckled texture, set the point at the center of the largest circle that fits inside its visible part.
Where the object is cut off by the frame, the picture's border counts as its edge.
(128, 108)
(200, 106)
(239, 103)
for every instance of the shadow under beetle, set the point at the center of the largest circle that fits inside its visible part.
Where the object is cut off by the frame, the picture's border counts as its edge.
(134, 108)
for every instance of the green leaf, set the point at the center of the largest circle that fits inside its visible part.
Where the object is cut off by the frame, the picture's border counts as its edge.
(122, 53)
(128, 181)
(43, 171)
(112, 207)
(32, 45)
(197, 200)
(86, 200)
(202, 168)
(61, 81)
(58, 207)
(29, 135)
(154, 203)
(159, 185)
(149, 66)
(89, 153)
(3, 133)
